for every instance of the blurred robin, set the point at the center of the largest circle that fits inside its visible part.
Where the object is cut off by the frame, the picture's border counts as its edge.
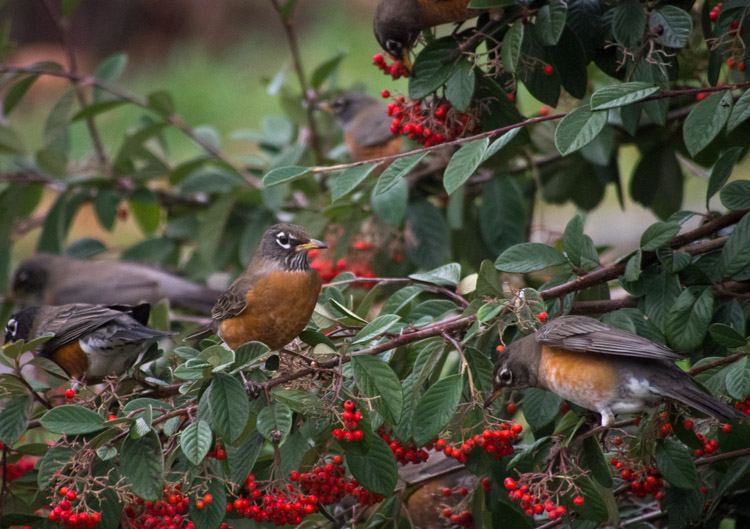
(273, 299)
(58, 280)
(91, 341)
(366, 126)
(602, 369)
(397, 23)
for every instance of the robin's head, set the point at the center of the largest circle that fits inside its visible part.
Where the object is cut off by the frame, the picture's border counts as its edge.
(287, 245)
(19, 325)
(396, 28)
(31, 277)
(516, 367)
(348, 105)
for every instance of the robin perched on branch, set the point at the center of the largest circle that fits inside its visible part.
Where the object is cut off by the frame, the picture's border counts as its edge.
(273, 299)
(366, 126)
(397, 23)
(58, 280)
(602, 369)
(91, 341)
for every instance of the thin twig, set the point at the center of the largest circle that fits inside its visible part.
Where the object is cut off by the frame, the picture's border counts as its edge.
(720, 362)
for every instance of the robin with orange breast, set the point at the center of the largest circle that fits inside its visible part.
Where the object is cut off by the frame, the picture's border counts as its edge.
(397, 23)
(273, 299)
(91, 341)
(602, 369)
(366, 126)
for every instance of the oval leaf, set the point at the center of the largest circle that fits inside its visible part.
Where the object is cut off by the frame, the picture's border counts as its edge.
(195, 441)
(529, 257)
(436, 408)
(377, 471)
(377, 381)
(618, 95)
(72, 420)
(142, 466)
(705, 121)
(275, 422)
(676, 464)
(229, 406)
(464, 163)
(578, 129)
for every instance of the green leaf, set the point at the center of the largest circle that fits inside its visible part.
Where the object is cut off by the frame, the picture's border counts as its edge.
(540, 407)
(14, 418)
(284, 174)
(377, 381)
(676, 25)
(109, 70)
(105, 205)
(72, 420)
(430, 69)
(345, 182)
(275, 422)
(628, 21)
(658, 181)
(436, 408)
(97, 108)
(142, 466)
(212, 223)
(161, 102)
(735, 255)
(375, 328)
(459, 88)
(242, 459)
(396, 171)
(618, 95)
(727, 336)
(430, 241)
(596, 499)
(391, 205)
(689, 317)
(212, 515)
(501, 142)
(144, 205)
(550, 22)
(596, 462)
(738, 379)
(502, 214)
(736, 195)
(377, 471)
(229, 406)
(721, 171)
(529, 257)
(578, 246)
(9, 141)
(195, 441)
(16, 92)
(658, 234)
(705, 121)
(740, 113)
(578, 129)
(449, 274)
(53, 462)
(324, 71)
(464, 163)
(676, 464)
(511, 49)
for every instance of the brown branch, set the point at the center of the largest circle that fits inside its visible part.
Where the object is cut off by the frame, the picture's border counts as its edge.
(307, 95)
(722, 457)
(80, 95)
(716, 363)
(602, 305)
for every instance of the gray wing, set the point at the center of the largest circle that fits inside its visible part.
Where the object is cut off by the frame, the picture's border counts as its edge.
(75, 321)
(378, 129)
(584, 334)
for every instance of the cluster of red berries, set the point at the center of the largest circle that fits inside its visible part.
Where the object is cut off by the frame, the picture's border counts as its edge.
(279, 507)
(330, 483)
(498, 442)
(64, 514)
(734, 26)
(327, 269)
(405, 453)
(430, 121)
(14, 471)
(396, 69)
(743, 406)
(714, 14)
(350, 417)
(731, 64)
(167, 513)
(462, 519)
(534, 505)
(709, 445)
(642, 483)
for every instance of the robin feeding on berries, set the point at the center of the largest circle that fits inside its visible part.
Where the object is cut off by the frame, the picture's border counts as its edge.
(91, 341)
(58, 280)
(397, 23)
(366, 126)
(273, 299)
(602, 369)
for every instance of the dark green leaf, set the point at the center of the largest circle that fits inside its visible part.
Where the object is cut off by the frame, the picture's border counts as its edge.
(9, 141)
(464, 163)
(284, 174)
(540, 407)
(738, 379)
(501, 142)
(161, 102)
(721, 171)
(529, 257)
(736, 253)
(391, 205)
(376, 471)
(689, 317)
(741, 111)
(275, 422)
(428, 244)
(633, 268)
(324, 71)
(578, 129)
(550, 22)
(14, 95)
(705, 121)
(658, 234)
(596, 462)
(57, 458)
(736, 195)
(142, 466)
(621, 94)
(212, 515)
(449, 274)
(502, 214)
(376, 328)
(676, 464)
(628, 23)
(105, 205)
(345, 182)
(72, 420)
(242, 459)
(436, 408)
(578, 246)
(96, 109)
(727, 336)
(229, 406)
(459, 88)
(14, 418)
(195, 441)
(675, 23)
(430, 70)
(212, 223)
(377, 381)
(511, 49)
(109, 70)
(658, 181)
(144, 205)
(397, 171)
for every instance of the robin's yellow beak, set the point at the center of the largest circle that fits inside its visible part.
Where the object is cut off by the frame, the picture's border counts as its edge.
(312, 244)
(495, 395)
(325, 106)
(8, 344)
(406, 59)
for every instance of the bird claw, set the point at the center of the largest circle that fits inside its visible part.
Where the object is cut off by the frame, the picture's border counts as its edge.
(253, 389)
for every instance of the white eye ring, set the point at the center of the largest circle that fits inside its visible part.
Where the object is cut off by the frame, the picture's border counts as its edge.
(284, 240)
(504, 376)
(11, 327)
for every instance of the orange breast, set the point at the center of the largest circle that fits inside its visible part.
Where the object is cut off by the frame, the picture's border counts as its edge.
(278, 308)
(585, 379)
(72, 359)
(360, 153)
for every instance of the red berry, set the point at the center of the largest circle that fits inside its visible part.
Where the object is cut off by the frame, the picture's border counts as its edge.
(463, 491)
(509, 483)
(69, 393)
(701, 96)
(221, 454)
(378, 59)
(349, 405)
(71, 495)
(200, 505)
(516, 428)
(447, 513)
(731, 63)
(208, 498)
(511, 408)
(512, 96)
(726, 428)
(543, 317)
(544, 111)
(548, 69)
(357, 435)
(385, 94)
(447, 492)
(578, 501)
(741, 66)
(294, 475)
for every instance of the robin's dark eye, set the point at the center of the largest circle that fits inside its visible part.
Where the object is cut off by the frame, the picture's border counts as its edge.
(505, 376)
(284, 240)
(10, 329)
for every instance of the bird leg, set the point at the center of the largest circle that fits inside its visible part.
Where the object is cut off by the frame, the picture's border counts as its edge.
(252, 388)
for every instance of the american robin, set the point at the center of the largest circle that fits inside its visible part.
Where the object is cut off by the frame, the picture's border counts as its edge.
(57, 280)
(397, 23)
(366, 126)
(273, 299)
(91, 341)
(602, 369)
